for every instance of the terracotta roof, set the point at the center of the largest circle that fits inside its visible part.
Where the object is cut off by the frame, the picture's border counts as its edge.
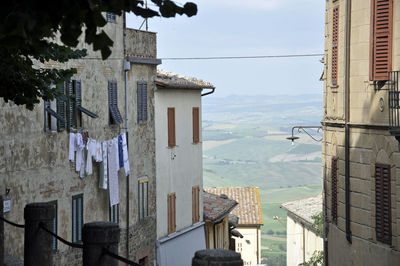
(175, 81)
(216, 207)
(249, 208)
(305, 208)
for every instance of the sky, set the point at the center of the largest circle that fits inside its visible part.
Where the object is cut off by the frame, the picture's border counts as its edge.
(245, 28)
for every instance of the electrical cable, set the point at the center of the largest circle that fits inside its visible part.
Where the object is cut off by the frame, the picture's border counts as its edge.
(241, 57)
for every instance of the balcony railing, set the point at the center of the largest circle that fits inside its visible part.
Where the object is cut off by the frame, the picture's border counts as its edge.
(394, 105)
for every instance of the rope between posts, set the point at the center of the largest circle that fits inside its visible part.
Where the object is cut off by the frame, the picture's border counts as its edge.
(13, 224)
(74, 245)
(115, 256)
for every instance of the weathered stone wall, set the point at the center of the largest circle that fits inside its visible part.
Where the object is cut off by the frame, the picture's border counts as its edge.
(34, 163)
(141, 43)
(370, 142)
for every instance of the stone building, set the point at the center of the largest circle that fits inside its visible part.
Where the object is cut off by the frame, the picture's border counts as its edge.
(303, 238)
(361, 156)
(249, 213)
(34, 161)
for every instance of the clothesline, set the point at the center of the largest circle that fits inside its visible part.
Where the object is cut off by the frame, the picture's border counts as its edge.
(111, 154)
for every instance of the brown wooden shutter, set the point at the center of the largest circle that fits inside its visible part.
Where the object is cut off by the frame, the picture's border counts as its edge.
(171, 127)
(195, 204)
(334, 189)
(383, 216)
(335, 44)
(381, 39)
(171, 213)
(196, 125)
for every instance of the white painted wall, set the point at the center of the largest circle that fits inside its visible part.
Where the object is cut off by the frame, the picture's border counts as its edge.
(249, 246)
(180, 168)
(295, 245)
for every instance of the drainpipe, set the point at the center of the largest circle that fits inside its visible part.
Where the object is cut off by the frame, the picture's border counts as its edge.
(210, 92)
(127, 67)
(347, 118)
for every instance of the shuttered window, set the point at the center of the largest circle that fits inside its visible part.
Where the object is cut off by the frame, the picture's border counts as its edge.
(111, 17)
(77, 217)
(195, 204)
(171, 213)
(142, 102)
(196, 125)
(115, 115)
(114, 213)
(381, 39)
(171, 127)
(143, 198)
(335, 44)
(383, 218)
(334, 183)
(60, 107)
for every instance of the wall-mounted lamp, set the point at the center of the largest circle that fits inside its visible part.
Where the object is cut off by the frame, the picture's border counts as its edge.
(303, 128)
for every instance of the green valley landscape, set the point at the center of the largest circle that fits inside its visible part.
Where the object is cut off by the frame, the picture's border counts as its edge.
(244, 144)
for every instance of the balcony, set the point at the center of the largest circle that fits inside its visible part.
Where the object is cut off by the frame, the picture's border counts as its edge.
(394, 105)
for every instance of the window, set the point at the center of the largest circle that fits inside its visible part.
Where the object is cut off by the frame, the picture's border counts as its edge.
(381, 39)
(54, 244)
(111, 17)
(195, 204)
(114, 213)
(68, 105)
(335, 44)
(143, 198)
(77, 217)
(55, 120)
(171, 213)
(171, 127)
(115, 115)
(334, 189)
(383, 216)
(196, 124)
(142, 102)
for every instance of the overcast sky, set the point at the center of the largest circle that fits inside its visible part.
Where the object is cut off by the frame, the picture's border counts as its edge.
(245, 28)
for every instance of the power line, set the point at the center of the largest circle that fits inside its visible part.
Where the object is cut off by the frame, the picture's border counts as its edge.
(241, 57)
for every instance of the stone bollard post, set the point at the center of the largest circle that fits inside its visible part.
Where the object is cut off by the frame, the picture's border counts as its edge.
(1, 232)
(217, 257)
(95, 237)
(38, 243)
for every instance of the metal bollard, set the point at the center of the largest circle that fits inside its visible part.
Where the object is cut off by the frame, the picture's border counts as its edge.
(38, 243)
(217, 257)
(95, 237)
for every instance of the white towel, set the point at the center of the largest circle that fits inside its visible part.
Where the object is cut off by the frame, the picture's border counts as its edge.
(113, 165)
(125, 153)
(98, 157)
(103, 167)
(71, 156)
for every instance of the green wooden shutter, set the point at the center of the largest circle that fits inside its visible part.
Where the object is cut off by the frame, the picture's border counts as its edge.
(70, 104)
(60, 107)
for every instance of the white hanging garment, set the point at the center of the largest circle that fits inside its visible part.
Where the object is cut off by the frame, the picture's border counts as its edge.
(113, 165)
(125, 152)
(71, 155)
(79, 145)
(103, 167)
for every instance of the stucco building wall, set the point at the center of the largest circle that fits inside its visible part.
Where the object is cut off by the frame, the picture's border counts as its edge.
(301, 242)
(179, 168)
(370, 141)
(249, 246)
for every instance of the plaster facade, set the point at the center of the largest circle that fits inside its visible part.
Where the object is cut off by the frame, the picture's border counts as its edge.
(370, 141)
(34, 164)
(179, 168)
(249, 246)
(301, 242)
